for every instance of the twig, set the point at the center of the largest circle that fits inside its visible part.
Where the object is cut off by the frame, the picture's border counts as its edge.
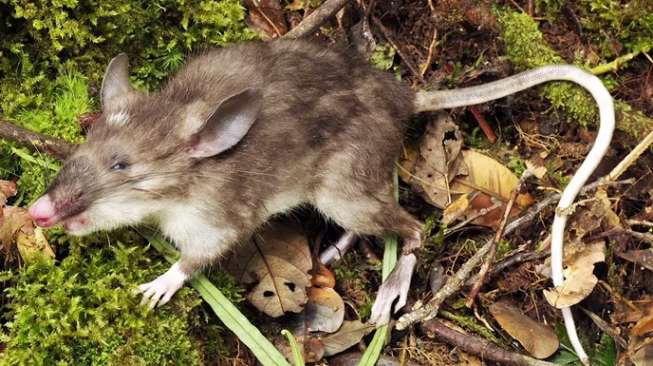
(453, 285)
(509, 262)
(538, 207)
(481, 212)
(316, 18)
(495, 240)
(607, 328)
(631, 157)
(429, 57)
(404, 57)
(482, 123)
(639, 223)
(455, 282)
(614, 64)
(478, 346)
(58, 148)
(637, 235)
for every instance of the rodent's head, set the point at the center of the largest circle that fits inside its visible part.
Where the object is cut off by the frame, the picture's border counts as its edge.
(138, 154)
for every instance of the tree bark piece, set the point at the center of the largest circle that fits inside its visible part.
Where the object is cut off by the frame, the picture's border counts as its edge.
(478, 346)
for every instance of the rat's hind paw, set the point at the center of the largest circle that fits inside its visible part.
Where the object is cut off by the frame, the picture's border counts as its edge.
(163, 287)
(395, 286)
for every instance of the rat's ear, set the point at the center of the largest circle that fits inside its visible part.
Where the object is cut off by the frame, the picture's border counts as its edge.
(228, 124)
(115, 87)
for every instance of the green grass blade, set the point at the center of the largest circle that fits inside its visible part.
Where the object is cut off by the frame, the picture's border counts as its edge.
(232, 318)
(373, 351)
(296, 352)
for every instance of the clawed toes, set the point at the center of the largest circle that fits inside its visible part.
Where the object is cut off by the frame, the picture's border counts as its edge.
(395, 287)
(160, 291)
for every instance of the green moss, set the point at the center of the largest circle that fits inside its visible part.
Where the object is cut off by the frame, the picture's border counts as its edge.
(526, 48)
(82, 312)
(42, 38)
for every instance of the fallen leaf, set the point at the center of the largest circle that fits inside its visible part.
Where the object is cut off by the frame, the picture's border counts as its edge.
(7, 190)
(324, 311)
(579, 277)
(348, 335)
(643, 325)
(32, 245)
(536, 338)
(443, 174)
(642, 257)
(437, 162)
(643, 355)
(632, 311)
(266, 16)
(538, 171)
(312, 348)
(278, 260)
(17, 229)
(296, 5)
(456, 209)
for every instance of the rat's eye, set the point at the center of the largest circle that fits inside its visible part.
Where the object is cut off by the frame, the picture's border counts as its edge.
(119, 166)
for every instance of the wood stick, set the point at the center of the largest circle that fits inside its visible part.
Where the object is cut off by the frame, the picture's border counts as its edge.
(314, 20)
(58, 148)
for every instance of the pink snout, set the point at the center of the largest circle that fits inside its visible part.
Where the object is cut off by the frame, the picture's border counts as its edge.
(43, 212)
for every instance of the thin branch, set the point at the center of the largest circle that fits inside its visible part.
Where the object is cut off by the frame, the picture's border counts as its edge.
(388, 36)
(58, 148)
(495, 241)
(314, 20)
(456, 282)
(631, 157)
(478, 346)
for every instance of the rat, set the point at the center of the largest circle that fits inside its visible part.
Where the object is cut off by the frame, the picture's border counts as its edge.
(247, 132)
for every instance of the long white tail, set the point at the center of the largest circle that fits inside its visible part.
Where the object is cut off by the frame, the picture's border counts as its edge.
(441, 99)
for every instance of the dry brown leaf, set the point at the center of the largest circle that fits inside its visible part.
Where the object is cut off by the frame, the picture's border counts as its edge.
(632, 311)
(278, 259)
(312, 348)
(324, 311)
(643, 354)
(538, 171)
(266, 16)
(443, 174)
(30, 246)
(642, 257)
(579, 277)
(17, 228)
(348, 335)
(486, 175)
(643, 326)
(538, 339)
(437, 162)
(456, 209)
(7, 190)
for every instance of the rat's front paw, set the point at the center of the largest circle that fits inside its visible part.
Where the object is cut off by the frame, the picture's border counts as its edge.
(395, 286)
(163, 287)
